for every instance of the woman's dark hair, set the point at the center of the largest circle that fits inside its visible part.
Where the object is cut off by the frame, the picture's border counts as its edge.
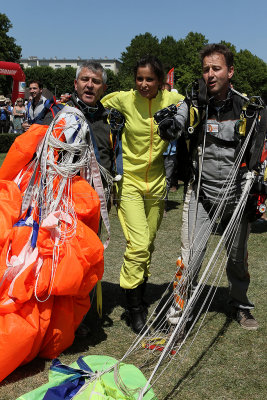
(218, 48)
(154, 63)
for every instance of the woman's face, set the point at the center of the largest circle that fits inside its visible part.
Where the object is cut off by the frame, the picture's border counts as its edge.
(147, 82)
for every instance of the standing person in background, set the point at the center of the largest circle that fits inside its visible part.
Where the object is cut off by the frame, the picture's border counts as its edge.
(19, 113)
(5, 112)
(142, 188)
(36, 105)
(10, 115)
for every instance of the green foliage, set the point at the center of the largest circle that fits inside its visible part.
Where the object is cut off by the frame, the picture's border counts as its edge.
(60, 80)
(6, 140)
(64, 80)
(113, 83)
(250, 74)
(188, 66)
(139, 47)
(9, 51)
(43, 74)
(169, 52)
(183, 54)
(126, 81)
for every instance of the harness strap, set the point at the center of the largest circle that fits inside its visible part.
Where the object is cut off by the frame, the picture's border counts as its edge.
(223, 142)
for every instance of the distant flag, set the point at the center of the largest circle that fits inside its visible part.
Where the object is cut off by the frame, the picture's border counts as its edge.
(170, 77)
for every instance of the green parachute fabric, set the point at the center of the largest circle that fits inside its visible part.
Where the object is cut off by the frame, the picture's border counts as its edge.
(104, 387)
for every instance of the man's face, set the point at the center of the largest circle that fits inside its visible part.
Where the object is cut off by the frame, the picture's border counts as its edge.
(35, 91)
(217, 75)
(89, 86)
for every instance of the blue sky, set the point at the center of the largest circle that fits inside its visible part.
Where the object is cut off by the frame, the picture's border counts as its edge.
(97, 29)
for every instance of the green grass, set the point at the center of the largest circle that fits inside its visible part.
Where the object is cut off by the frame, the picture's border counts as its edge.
(2, 157)
(225, 361)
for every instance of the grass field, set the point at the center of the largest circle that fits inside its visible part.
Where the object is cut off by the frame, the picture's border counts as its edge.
(2, 157)
(225, 361)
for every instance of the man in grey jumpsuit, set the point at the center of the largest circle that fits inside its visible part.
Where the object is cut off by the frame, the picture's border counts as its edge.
(224, 110)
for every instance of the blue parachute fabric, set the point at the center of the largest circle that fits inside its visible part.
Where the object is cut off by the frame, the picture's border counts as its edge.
(99, 384)
(34, 225)
(75, 379)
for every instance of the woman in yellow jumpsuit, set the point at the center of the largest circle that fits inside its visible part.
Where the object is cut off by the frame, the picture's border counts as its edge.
(142, 189)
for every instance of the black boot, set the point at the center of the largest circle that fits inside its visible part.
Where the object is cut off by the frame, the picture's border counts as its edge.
(137, 318)
(143, 290)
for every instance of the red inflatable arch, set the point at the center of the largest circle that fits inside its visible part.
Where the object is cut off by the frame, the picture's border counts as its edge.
(13, 69)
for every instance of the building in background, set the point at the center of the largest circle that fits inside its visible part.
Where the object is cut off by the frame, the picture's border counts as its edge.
(55, 62)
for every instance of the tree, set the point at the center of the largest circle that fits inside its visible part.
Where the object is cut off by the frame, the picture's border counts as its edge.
(60, 80)
(43, 74)
(63, 80)
(139, 47)
(250, 74)
(182, 54)
(169, 52)
(113, 83)
(250, 71)
(188, 66)
(9, 51)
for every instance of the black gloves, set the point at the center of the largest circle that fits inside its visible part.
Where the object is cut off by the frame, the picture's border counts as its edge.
(169, 129)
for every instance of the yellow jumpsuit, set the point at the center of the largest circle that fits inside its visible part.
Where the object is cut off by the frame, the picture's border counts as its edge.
(142, 188)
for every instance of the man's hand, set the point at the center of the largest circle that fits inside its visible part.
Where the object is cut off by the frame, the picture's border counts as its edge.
(169, 129)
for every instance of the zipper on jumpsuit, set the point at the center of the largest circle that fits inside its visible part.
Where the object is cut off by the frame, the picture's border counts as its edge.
(151, 144)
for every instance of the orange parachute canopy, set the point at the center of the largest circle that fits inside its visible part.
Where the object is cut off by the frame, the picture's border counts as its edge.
(44, 288)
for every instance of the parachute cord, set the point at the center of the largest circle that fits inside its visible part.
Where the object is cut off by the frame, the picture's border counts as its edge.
(222, 199)
(231, 227)
(201, 160)
(206, 273)
(52, 275)
(230, 232)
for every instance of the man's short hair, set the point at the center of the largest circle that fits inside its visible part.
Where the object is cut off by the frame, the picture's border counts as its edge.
(39, 83)
(92, 66)
(218, 48)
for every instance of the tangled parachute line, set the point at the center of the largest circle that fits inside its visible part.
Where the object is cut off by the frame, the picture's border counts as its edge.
(65, 152)
(167, 336)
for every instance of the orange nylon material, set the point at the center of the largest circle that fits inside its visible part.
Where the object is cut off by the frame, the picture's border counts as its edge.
(30, 326)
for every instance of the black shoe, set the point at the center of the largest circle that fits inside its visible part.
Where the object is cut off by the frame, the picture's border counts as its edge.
(82, 330)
